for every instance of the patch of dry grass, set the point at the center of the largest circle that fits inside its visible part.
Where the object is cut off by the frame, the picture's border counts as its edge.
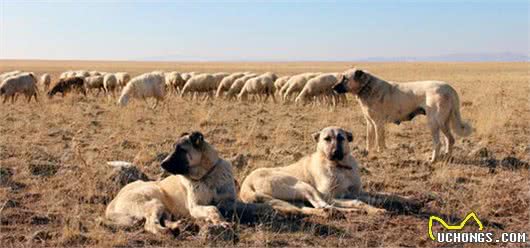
(53, 155)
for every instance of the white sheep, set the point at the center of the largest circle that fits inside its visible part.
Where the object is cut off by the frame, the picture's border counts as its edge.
(81, 73)
(5, 75)
(238, 85)
(174, 81)
(110, 83)
(296, 83)
(260, 85)
(94, 73)
(319, 86)
(24, 83)
(218, 77)
(67, 74)
(45, 80)
(280, 82)
(225, 84)
(144, 86)
(123, 78)
(94, 82)
(186, 76)
(202, 83)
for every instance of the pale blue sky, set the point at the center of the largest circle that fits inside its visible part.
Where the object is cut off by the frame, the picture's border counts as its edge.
(258, 30)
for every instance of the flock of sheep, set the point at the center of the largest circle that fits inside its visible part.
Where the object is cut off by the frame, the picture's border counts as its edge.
(305, 87)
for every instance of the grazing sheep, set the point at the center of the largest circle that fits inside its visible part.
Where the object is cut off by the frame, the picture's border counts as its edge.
(81, 73)
(238, 85)
(24, 83)
(321, 85)
(94, 82)
(218, 77)
(123, 78)
(45, 80)
(110, 83)
(227, 82)
(296, 83)
(94, 73)
(5, 75)
(260, 85)
(280, 82)
(186, 76)
(66, 85)
(146, 85)
(202, 83)
(174, 81)
(78, 73)
(64, 74)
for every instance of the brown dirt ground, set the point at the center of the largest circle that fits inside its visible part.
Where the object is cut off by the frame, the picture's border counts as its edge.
(53, 155)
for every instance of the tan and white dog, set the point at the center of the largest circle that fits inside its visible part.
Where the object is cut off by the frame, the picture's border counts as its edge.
(384, 102)
(327, 179)
(200, 180)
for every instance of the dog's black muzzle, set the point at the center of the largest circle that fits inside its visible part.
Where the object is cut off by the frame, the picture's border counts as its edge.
(177, 162)
(338, 154)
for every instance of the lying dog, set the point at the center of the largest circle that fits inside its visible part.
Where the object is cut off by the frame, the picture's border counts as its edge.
(327, 179)
(201, 179)
(384, 102)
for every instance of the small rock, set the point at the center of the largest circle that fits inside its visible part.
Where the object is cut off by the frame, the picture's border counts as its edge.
(40, 220)
(43, 168)
(119, 176)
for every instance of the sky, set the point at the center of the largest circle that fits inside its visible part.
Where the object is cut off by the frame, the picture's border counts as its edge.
(259, 30)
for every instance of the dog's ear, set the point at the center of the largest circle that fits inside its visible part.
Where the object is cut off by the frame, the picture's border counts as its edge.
(357, 75)
(349, 136)
(316, 136)
(197, 139)
(184, 134)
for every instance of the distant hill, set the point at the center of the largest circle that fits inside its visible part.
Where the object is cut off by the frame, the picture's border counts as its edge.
(458, 57)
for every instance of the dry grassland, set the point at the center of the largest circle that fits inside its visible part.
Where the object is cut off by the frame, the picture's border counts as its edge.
(53, 155)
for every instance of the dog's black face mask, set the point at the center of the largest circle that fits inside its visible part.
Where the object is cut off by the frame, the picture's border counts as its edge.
(178, 162)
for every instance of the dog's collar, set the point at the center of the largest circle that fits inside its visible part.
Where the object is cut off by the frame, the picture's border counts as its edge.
(213, 167)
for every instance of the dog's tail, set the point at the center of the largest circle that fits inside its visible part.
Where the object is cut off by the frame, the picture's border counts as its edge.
(390, 202)
(460, 127)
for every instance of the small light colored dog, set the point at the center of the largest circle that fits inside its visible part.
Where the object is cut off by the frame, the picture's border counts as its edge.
(201, 179)
(384, 102)
(328, 179)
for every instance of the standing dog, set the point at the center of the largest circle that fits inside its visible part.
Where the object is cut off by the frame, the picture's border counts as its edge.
(201, 179)
(384, 102)
(327, 179)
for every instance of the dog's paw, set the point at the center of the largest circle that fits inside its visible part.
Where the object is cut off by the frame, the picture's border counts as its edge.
(376, 211)
(332, 213)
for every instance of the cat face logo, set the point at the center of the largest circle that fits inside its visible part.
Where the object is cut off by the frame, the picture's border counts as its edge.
(453, 227)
